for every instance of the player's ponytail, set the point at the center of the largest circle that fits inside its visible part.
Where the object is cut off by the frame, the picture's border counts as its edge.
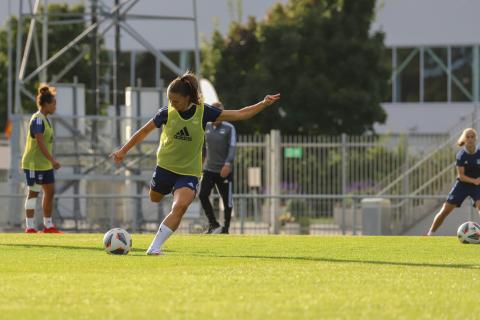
(45, 94)
(463, 138)
(186, 85)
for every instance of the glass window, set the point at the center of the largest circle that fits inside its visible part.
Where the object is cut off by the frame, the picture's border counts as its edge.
(145, 69)
(462, 61)
(434, 75)
(407, 79)
(388, 63)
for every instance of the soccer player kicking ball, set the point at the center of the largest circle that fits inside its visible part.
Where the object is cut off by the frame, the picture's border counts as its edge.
(38, 162)
(179, 155)
(468, 178)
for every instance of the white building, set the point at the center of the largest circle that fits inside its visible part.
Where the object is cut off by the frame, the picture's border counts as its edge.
(435, 56)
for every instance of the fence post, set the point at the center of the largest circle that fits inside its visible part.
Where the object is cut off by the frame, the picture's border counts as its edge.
(274, 181)
(344, 179)
(407, 213)
(76, 168)
(138, 217)
(15, 207)
(242, 215)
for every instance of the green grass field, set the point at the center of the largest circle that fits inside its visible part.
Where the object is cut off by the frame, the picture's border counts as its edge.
(239, 277)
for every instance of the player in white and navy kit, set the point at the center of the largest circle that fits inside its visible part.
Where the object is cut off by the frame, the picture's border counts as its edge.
(219, 153)
(468, 179)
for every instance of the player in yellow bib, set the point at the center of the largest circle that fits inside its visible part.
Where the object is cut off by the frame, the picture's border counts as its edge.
(179, 156)
(38, 162)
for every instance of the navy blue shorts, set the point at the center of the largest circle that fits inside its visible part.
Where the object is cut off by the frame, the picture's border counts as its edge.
(461, 190)
(39, 176)
(165, 181)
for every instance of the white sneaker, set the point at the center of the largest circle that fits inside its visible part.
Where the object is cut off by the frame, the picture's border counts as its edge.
(217, 230)
(154, 253)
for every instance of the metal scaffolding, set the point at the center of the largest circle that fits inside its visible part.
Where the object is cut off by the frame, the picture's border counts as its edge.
(98, 22)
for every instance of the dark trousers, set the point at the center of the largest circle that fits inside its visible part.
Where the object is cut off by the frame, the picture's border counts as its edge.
(224, 188)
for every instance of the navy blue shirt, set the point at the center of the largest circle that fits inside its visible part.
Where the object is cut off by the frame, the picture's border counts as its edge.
(37, 126)
(471, 162)
(210, 114)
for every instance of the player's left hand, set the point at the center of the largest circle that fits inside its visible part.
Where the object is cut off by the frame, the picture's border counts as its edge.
(117, 156)
(226, 169)
(269, 99)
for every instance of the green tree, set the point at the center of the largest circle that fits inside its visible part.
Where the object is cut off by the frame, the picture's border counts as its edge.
(332, 72)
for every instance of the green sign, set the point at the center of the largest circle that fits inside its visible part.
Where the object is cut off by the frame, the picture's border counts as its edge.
(294, 152)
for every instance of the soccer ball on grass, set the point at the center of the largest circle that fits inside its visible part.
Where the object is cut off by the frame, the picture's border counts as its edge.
(117, 241)
(469, 232)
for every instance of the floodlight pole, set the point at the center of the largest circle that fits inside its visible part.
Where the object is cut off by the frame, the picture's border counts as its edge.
(94, 57)
(197, 50)
(43, 74)
(14, 174)
(116, 58)
(28, 45)
(9, 66)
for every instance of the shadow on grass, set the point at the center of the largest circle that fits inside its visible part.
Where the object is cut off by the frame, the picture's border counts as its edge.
(297, 258)
(99, 248)
(322, 259)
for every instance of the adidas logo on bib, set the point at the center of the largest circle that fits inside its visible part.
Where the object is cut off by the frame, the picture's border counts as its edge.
(183, 135)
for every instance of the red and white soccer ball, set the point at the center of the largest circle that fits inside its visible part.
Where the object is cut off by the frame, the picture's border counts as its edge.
(117, 241)
(469, 232)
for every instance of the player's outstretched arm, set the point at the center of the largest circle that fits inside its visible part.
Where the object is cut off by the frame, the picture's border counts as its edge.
(248, 112)
(137, 137)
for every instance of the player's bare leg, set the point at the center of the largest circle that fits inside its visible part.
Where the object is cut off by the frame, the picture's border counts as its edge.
(440, 217)
(155, 196)
(477, 205)
(182, 198)
(47, 204)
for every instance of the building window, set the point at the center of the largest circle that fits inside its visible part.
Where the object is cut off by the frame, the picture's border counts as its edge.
(432, 74)
(435, 79)
(462, 73)
(407, 76)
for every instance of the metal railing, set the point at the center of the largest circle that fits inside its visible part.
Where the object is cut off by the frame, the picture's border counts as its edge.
(251, 214)
(293, 169)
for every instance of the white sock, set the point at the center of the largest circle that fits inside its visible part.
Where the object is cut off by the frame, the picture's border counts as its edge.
(30, 223)
(47, 222)
(162, 235)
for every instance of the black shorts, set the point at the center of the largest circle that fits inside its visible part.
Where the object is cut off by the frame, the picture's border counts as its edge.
(39, 176)
(165, 181)
(461, 190)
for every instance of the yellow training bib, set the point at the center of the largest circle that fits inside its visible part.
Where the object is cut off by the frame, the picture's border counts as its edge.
(181, 143)
(33, 158)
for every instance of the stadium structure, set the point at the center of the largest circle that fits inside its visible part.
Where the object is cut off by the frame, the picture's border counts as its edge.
(435, 77)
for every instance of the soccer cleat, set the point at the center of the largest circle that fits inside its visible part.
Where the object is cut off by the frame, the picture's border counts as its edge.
(217, 230)
(224, 231)
(212, 228)
(31, 230)
(52, 229)
(154, 253)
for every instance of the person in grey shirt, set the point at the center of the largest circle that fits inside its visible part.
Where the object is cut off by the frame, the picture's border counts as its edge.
(219, 154)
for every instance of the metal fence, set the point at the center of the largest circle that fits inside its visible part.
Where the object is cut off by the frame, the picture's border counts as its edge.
(282, 184)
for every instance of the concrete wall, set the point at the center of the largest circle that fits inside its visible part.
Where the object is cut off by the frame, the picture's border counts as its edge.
(426, 117)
